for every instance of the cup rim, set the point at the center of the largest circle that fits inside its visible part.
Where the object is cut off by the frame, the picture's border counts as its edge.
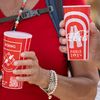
(17, 34)
(69, 6)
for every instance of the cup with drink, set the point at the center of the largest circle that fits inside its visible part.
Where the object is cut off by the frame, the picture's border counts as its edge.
(14, 44)
(77, 23)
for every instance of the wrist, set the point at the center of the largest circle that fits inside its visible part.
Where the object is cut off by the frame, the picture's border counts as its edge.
(44, 78)
(52, 85)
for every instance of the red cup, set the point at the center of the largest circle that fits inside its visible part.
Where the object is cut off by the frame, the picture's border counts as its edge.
(14, 44)
(77, 23)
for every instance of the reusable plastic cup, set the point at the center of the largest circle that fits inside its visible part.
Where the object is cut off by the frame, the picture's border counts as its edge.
(14, 44)
(77, 23)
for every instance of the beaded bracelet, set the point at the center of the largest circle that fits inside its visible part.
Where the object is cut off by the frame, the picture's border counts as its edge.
(53, 82)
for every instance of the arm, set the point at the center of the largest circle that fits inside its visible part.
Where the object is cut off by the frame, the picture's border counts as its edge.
(81, 87)
(85, 72)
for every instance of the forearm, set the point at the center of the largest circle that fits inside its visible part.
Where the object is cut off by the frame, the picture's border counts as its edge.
(78, 88)
(75, 88)
(82, 86)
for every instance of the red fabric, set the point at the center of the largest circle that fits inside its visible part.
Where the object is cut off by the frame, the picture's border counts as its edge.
(45, 43)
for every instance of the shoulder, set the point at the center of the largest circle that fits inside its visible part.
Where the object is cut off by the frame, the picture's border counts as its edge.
(73, 2)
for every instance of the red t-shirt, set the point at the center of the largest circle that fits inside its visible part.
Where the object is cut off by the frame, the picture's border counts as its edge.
(45, 44)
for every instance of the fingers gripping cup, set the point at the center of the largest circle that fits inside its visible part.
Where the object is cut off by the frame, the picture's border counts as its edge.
(77, 31)
(14, 44)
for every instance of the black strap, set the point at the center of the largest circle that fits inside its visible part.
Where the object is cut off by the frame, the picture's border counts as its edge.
(57, 14)
(28, 14)
(7, 19)
(59, 7)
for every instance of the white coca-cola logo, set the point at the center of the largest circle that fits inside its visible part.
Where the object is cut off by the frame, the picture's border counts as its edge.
(74, 33)
(8, 62)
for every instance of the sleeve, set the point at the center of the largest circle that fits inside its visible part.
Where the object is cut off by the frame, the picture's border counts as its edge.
(73, 2)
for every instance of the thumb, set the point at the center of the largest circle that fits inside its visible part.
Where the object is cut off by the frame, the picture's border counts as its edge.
(62, 24)
(94, 40)
(93, 29)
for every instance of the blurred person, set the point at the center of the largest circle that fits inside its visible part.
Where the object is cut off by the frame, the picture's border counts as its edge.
(94, 50)
(95, 11)
(97, 16)
(45, 56)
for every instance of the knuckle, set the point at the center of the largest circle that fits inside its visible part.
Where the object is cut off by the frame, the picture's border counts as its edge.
(18, 72)
(60, 39)
(23, 72)
(61, 30)
(30, 62)
(60, 49)
(32, 53)
(17, 62)
(63, 48)
(30, 82)
(61, 23)
(36, 62)
(31, 71)
(64, 40)
(23, 79)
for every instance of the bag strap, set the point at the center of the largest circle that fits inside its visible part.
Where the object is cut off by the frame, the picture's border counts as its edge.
(28, 14)
(57, 14)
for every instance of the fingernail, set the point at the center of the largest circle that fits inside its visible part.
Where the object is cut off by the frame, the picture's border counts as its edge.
(15, 63)
(14, 71)
(60, 39)
(22, 54)
(17, 78)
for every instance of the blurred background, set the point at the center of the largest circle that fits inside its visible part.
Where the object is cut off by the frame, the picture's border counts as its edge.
(95, 14)
(95, 11)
